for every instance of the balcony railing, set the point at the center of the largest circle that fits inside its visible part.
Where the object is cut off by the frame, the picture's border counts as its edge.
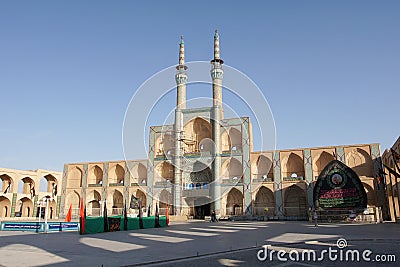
(95, 185)
(196, 193)
(231, 180)
(298, 178)
(263, 180)
(163, 183)
(116, 184)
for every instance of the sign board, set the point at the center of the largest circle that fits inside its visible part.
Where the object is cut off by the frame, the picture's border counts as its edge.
(339, 187)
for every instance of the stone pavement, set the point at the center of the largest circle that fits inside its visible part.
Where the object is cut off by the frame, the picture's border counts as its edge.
(194, 244)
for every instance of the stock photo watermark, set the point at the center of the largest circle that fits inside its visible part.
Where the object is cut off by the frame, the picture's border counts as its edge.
(340, 253)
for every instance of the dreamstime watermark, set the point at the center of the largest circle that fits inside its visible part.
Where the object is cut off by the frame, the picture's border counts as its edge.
(331, 254)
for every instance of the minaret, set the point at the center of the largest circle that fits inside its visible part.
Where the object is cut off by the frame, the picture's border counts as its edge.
(180, 79)
(217, 114)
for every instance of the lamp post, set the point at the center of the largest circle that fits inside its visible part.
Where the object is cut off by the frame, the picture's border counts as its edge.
(46, 199)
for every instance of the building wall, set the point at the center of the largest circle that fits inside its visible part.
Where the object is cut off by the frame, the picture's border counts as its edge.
(22, 190)
(392, 182)
(281, 181)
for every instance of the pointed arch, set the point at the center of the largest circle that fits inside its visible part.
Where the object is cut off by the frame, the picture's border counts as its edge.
(7, 184)
(264, 203)
(118, 202)
(74, 179)
(93, 199)
(140, 194)
(293, 166)
(323, 160)
(361, 162)
(139, 174)
(165, 171)
(165, 198)
(25, 207)
(196, 132)
(5, 207)
(232, 169)
(27, 186)
(73, 200)
(262, 168)
(164, 144)
(116, 175)
(295, 201)
(234, 202)
(236, 139)
(95, 175)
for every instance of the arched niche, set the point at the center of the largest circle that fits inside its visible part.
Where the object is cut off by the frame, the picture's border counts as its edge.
(234, 202)
(6, 184)
(95, 175)
(74, 179)
(262, 168)
(293, 167)
(323, 159)
(116, 175)
(164, 144)
(295, 201)
(197, 135)
(264, 203)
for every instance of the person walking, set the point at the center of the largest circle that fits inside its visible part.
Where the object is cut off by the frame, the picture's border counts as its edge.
(213, 216)
(315, 217)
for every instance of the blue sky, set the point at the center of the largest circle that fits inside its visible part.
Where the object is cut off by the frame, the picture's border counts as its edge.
(329, 70)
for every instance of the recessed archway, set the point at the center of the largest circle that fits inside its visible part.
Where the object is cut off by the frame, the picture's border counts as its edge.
(25, 207)
(95, 175)
(116, 175)
(118, 202)
(165, 198)
(27, 186)
(293, 166)
(93, 199)
(234, 202)
(323, 160)
(295, 203)
(264, 203)
(7, 183)
(196, 132)
(262, 168)
(74, 178)
(5, 207)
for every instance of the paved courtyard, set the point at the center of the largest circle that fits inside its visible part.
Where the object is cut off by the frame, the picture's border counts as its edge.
(201, 244)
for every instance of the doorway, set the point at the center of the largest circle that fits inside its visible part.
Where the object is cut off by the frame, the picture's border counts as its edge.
(201, 211)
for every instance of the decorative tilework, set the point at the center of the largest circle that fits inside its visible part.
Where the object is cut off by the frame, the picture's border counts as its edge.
(105, 181)
(63, 189)
(277, 184)
(340, 154)
(84, 182)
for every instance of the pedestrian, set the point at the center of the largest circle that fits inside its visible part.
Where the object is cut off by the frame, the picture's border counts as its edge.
(315, 216)
(213, 216)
